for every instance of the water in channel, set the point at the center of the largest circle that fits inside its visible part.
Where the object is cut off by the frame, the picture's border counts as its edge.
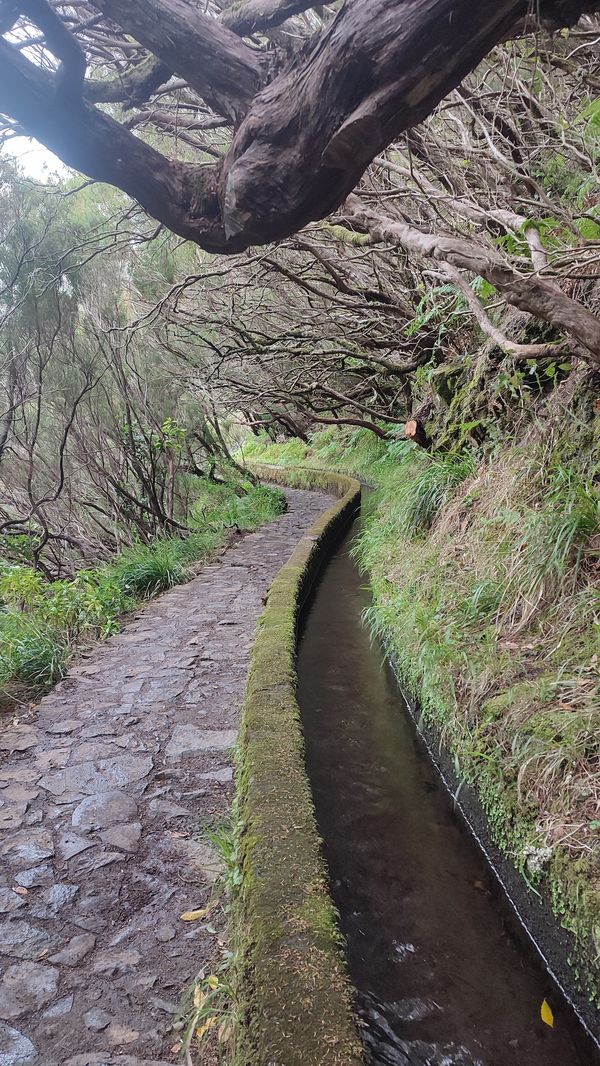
(440, 979)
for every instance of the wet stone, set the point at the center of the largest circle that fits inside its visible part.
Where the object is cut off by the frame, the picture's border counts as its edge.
(91, 749)
(33, 818)
(16, 772)
(60, 1008)
(19, 738)
(83, 779)
(69, 845)
(66, 726)
(167, 810)
(20, 940)
(12, 815)
(28, 846)
(15, 1048)
(99, 729)
(25, 987)
(35, 876)
(18, 793)
(188, 740)
(113, 962)
(125, 769)
(53, 759)
(104, 810)
(126, 837)
(105, 858)
(10, 901)
(50, 901)
(96, 1019)
(75, 951)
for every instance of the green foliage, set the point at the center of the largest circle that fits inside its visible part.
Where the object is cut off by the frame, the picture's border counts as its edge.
(426, 486)
(486, 597)
(433, 310)
(146, 571)
(288, 453)
(554, 539)
(21, 587)
(33, 653)
(41, 621)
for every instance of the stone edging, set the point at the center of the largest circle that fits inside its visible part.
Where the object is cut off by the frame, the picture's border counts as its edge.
(293, 996)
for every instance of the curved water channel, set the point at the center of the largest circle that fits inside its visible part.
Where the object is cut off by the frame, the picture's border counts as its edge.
(441, 978)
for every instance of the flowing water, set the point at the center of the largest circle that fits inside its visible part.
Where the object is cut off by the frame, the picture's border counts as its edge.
(441, 979)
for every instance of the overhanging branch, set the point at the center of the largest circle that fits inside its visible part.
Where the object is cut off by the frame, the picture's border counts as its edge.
(379, 68)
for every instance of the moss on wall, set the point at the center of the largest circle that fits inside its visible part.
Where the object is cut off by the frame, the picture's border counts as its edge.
(294, 999)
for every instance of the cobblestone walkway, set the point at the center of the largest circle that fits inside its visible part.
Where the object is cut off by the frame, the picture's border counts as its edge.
(104, 792)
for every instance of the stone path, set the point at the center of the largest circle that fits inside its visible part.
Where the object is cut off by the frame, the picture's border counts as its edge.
(105, 789)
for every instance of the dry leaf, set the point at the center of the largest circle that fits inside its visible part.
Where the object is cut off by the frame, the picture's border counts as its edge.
(193, 916)
(208, 1024)
(546, 1013)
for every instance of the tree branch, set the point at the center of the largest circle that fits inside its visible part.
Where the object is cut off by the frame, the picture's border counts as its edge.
(380, 67)
(225, 71)
(71, 73)
(133, 87)
(540, 298)
(247, 18)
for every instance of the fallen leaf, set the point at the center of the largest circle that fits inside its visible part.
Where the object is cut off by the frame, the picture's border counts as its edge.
(193, 916)
(546, 1013)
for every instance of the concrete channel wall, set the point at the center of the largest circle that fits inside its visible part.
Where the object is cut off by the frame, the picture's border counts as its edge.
(293, 995)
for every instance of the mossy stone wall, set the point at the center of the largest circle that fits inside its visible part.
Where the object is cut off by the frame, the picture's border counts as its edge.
(294, 998)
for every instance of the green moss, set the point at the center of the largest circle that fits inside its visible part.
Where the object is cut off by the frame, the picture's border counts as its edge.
(293, 998)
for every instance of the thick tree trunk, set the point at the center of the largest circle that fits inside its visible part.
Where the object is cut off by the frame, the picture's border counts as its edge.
(307, 138)
(415, 430)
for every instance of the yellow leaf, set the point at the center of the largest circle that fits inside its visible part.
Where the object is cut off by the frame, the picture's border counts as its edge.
(203, 1029)
(193, 916)
(546, 1013)
(564, 33)
(212, 981)
(199, 996)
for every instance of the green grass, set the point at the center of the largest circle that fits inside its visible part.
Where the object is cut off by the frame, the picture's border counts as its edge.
(485, 578)
(42, 622)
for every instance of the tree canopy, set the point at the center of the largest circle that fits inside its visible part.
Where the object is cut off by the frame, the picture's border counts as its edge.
(305, 96)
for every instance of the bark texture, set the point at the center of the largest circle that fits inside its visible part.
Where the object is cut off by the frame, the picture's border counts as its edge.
(304, 136)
